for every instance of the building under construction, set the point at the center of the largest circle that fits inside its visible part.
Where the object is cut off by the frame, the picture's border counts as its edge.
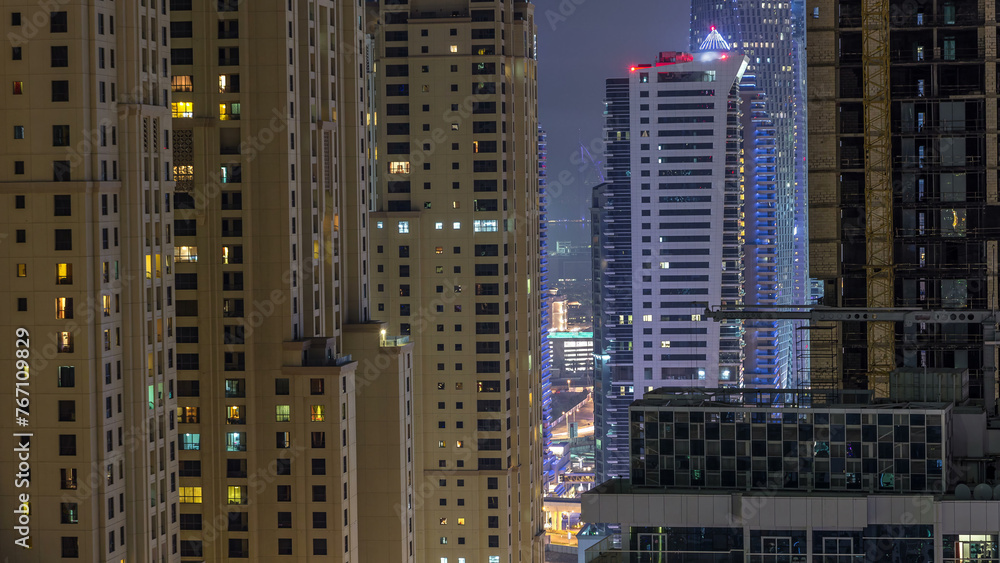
(903, 187)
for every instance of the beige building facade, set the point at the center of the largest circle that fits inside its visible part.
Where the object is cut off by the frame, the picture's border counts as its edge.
(89, 355)
(457, 267)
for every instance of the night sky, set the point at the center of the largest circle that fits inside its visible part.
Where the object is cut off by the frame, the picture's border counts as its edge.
(580, 44)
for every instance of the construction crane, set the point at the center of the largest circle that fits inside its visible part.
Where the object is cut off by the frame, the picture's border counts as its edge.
(878, 190)
(888, 316)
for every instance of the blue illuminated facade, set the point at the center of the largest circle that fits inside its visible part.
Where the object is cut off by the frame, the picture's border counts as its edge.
(772, 36)
(546, 368)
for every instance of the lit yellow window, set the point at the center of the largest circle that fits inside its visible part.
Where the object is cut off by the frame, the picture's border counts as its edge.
(282, 413)
(399, 167)
(106, 302)
(22, 270)
(440, 443)
(438, 250)
(191, 495)
(64, 274)
(183, 172)
(318, 413)
(183, 109)
(443, 521)
(181, 83)
(234, 414)
(647, 318)
(186, 254)
(664, 344)
(236, 495)
(461, 521)
(453, 48)
(229, 111)
(64, 307)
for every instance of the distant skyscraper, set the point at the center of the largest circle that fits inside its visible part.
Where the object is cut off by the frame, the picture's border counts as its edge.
(456, 243)
(772, 35)
(667, 236)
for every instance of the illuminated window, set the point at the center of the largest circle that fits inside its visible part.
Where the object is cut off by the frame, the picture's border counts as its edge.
(438, 250)
(664, 265)
(190, 442)
(18, 87)
(182, 83)
(403, 227)
(453, 48)
(190, 495)
(456, 225)
(64, 307)
(229, 111)
(440, 443)
(647, 318)
(186, 254)
(106, 303)
(664, 344)
(443, 521)
(379, 224)
(188, 415)
(234, 414)
(318, 413)
(22, 270)
(236, 494)
(236, 442)
(399, 167)
(459, 444)
(183, 172)
(485, 225)
(183, 109)
(438, 226)
(695, 317)
(282, 413)
(456, 205)
(461, 521)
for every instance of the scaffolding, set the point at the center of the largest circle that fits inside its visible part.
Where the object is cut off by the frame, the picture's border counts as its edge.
(878, 191)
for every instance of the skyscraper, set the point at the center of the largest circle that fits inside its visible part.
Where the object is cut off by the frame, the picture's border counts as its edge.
(671, 212)
(772, 35)
(904, 190)
(456, 258)
(271, 146)
(86, 265)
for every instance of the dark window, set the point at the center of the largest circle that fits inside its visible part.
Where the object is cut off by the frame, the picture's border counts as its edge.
(190, 521)
(67, 444)
(284, 546)
(58, 22)
(284, 519)
(319, 520)
(60, 55)
(62, 206)
(60, 135)
(64, 239)
(284, 493)
(60, 171)
(67, 411)
(319, 546)
(181, 56)
(60, 90)
(70, 545)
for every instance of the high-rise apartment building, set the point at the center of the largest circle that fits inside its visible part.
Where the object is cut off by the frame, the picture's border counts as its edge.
(456, 248)
(282, 375)
(87, 271)
(772, 35)
(668, 235)
(903, 187)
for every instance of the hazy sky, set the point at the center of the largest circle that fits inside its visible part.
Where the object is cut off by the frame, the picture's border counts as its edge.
(580, 44)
